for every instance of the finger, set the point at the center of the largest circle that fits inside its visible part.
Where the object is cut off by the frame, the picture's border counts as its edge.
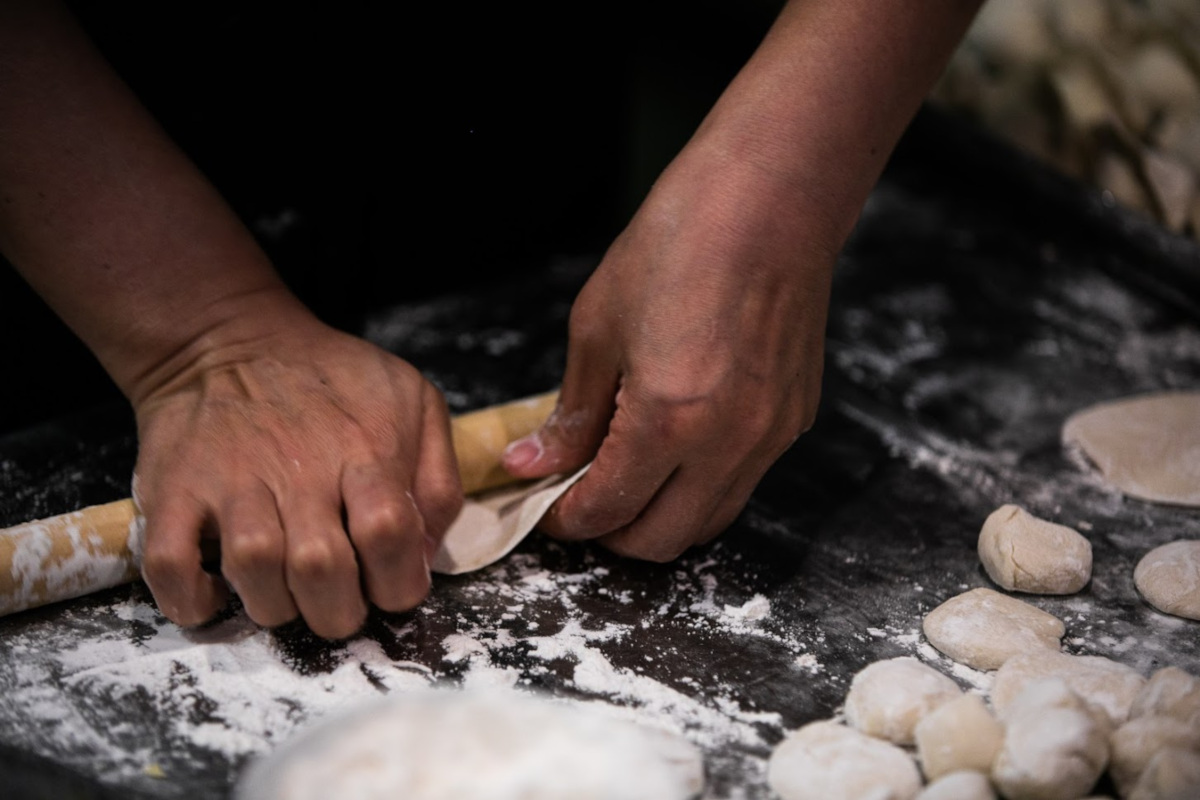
(574, 431)
(738, 495)
(437, 488)
(388, 534)
(185, 593)
(253, 550)
(628, 471)
(322, 573)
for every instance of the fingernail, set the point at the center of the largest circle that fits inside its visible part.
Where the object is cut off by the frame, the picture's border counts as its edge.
(522, 452)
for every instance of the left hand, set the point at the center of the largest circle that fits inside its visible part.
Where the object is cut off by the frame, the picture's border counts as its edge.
(694, 360)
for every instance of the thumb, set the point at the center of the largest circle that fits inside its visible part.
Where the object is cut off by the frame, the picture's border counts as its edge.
(572, 434)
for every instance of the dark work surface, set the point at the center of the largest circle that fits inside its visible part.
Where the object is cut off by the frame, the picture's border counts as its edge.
(980, 302)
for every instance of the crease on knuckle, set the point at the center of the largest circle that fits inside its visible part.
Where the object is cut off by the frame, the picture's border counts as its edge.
(249, 555)
(313, 561)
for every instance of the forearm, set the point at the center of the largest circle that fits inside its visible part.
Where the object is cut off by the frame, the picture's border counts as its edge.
(825, 98)
(107, 219)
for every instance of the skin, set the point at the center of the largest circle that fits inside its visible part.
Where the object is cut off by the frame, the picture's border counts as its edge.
(323, 464)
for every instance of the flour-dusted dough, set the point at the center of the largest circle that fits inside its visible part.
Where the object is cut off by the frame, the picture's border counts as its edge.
(492, 524)
(451, 745)
(828, 761)
(1169, 578)
(1025, 554)
(1136, 742)
(1101, 682)
(1054, 747)
(983, 628)
(1170, 692)
(960, 735)
(888, 698)
(959, 786)
(1172, 774)
(1148, 446)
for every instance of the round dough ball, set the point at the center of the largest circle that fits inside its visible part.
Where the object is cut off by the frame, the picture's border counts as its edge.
(959, 786)
(1025, 554)
(1138, 740)
(1172, 774)
(888, 698)
(961, 735)
(828, 761)
(1053, 693)
(1170, 692)
(983, 628)
(510, 745)
(1148, 447)
(1169, 578)
(1101, 682)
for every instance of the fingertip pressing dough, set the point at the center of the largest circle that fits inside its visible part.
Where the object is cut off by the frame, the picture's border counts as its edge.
(497, 745)
(965, 785)
(1148, 446)
(1100, 682)
(961, 735)
(1050, 752)
(1136, 742)
(1170, 692)
(828, 761)
(888, 698)
(1172, 774)
(1025, 554)
(1169, 578)
(983, 628)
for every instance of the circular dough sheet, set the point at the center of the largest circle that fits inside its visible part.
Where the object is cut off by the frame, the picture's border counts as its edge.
(1148, 446)
(496, 745)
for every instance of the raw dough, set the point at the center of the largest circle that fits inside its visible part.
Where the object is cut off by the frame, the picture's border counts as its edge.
(1172, 774)
(1148, 446)
(983, 628)
(888, 698)
(1101, 682)
(1023, 553)
(1170, 692)
(490, 525)
(1169, 578)
(959, 786)
(828, 761)
(1138, 740)
(450, 745)
(1050, 752)
(961, 735)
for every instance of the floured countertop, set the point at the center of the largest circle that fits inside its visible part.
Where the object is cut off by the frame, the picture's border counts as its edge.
(962, 335)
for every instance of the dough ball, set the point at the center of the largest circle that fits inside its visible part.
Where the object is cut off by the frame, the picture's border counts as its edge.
(888, 698)
(1170, 692)
(983, 628)
(1025, 554)
(509, 745)
(1056, 754)
(1148, 447)
(959, 786)
(828, 761)
(1101, 682)
(1172, 774)
(960, 735)
(1138, 740)
(1169, 578)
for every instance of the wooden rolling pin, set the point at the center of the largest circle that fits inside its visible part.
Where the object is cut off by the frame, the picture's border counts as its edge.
(96, 548)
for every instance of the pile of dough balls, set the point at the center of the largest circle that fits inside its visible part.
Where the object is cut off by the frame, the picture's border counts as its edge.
(1053, 725)
(1106, 90)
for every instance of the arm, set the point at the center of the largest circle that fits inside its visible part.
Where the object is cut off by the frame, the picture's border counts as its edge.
(696, 347)
(256, 423)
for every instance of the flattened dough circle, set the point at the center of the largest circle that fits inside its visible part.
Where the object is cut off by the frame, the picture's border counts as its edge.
(1148, 446)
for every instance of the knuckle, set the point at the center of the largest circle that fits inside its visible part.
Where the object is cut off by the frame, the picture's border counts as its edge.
(250, 554)
(382, 521)
(313, 561)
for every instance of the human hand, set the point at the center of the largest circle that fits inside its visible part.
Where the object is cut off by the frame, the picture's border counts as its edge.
(694, 360)
(322, 464)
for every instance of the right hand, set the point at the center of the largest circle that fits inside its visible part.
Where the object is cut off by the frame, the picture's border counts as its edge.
(323, 465)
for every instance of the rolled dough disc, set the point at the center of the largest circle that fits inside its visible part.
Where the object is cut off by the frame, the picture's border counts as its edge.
(490, 525)
(496, 745)
(1148, 446)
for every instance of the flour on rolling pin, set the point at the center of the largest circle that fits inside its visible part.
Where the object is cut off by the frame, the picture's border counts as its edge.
(69, 556)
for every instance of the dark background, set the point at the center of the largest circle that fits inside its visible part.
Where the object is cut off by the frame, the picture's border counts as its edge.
(383, 154)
